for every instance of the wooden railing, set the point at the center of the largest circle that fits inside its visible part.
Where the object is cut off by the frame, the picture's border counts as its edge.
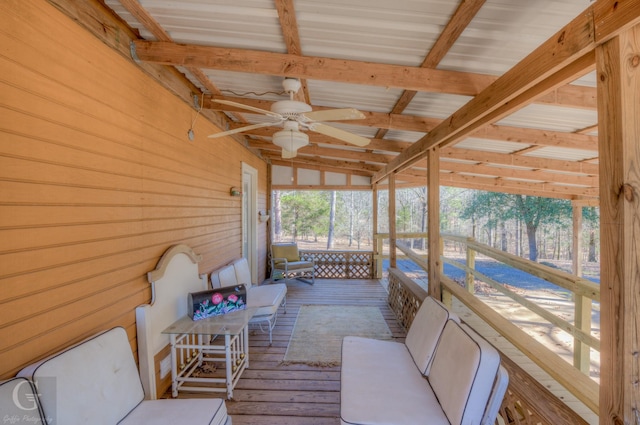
(342, 264)
(584, 293)
(526, 402)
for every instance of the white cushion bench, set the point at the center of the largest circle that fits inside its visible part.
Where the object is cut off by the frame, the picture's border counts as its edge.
(96, 381)
(267, 298)
(444, 373)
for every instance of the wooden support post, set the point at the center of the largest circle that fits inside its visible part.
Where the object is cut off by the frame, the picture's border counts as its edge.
(392, 220)
(582, 305)
(618, 77)
(433, 224)
(471, 263)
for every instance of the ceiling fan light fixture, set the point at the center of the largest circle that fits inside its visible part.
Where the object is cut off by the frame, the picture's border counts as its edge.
(290, 141)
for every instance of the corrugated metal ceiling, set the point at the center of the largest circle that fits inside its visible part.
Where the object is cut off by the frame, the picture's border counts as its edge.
(398, 33)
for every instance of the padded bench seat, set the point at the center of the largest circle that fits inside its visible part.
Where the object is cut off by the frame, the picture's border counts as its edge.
(96, 381)
(444, 374)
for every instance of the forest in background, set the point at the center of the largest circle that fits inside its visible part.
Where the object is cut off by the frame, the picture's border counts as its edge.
(532, 227)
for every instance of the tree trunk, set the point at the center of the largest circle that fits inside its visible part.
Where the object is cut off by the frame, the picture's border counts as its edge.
(423, 218)
(333, 207)
(277, 216)
(592, 247)
(503, 236)
(332, 219)
(533, 248)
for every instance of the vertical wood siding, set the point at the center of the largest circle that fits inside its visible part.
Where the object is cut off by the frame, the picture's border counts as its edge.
(97, 180)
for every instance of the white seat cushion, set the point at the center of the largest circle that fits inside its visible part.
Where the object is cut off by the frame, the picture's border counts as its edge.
(96, 381)
(201, 411)
(380, 385)
(462, 374)
(424, 333)
(267, 298)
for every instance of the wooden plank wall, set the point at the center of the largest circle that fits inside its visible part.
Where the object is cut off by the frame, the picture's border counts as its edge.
(97, 180)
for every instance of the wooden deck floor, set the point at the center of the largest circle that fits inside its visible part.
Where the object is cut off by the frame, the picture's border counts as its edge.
(271, 393)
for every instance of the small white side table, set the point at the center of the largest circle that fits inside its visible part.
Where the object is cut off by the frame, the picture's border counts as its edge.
(217, 339)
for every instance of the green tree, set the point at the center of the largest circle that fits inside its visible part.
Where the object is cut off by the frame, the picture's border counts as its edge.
(304, 213)
(535, 210)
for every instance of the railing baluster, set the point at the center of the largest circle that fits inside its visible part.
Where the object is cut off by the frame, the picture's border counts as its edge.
(582, 351)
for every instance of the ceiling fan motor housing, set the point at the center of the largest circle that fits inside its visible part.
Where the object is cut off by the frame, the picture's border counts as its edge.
(291, 85)
(290, 109)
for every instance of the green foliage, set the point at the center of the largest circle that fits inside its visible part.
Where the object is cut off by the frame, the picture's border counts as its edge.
(304, 213)
(498, 219)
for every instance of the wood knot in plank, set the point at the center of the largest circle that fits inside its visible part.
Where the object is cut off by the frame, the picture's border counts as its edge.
(561, 37)
(635, 61)
(627, 191)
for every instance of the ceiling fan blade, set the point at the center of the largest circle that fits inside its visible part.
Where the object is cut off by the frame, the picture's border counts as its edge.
(248, 108)
(241, 129)
(334, 115)
(348, 137)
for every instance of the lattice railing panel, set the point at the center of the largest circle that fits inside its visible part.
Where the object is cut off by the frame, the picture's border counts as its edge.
(342, 264)
(404, 303)
(527, 402)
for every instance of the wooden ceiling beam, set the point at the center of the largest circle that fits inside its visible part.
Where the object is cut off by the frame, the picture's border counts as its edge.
(331, 163)
(524, 161)
(289, 26)
(349, 155)
(317, 138)
(514, 173)
(527, 136)
(319, 68)
(276, 160)
(514, 187)
(326, 69)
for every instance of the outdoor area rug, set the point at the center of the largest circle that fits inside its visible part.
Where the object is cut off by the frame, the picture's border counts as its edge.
(317, 334)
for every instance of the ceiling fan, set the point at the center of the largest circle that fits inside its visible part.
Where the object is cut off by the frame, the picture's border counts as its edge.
(294, 116)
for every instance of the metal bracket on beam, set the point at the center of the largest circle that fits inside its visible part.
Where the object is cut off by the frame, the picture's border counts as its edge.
(132, 49)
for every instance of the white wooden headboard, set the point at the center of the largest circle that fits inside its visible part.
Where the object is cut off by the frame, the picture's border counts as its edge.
(175, 275)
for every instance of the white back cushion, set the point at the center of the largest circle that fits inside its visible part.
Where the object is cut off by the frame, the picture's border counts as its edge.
(424, 333)
(462, 374)
(96, 381)
(227, 276)
(243, 274)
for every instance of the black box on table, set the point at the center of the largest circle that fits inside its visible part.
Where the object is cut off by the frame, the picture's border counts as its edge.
(218, 301)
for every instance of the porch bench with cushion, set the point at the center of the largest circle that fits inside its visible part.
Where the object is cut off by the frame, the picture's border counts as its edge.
(96, 381)
(267, 298)
(443, 374)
